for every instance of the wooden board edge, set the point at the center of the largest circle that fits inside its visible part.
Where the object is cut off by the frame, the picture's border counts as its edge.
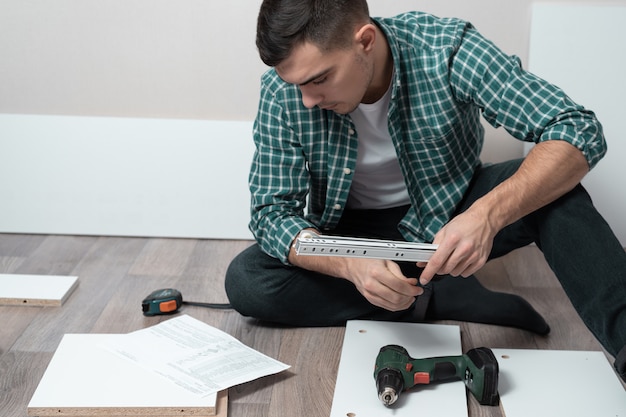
(220, 409)
(222, 403)
(34, 302)
(40, 302)
(121, 411)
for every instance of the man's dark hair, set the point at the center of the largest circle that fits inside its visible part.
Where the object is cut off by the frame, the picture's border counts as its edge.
(285, 24)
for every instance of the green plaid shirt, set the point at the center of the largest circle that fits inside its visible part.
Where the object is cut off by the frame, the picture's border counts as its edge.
(446, 76)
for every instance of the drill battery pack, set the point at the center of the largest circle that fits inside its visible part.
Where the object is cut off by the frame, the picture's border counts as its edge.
(484, 359)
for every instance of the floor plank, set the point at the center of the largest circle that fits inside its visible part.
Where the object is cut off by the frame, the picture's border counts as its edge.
(20, 373)
(20, 245)
(57, 255)
(163, 257)
(8, 264)
(16, 320)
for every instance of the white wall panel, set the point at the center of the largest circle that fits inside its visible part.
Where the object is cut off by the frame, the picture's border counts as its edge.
(581, 48)
(124, 176)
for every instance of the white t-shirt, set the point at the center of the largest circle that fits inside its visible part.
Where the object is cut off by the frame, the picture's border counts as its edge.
(378, 182)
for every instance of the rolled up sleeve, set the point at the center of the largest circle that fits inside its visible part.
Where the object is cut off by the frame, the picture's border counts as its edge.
(528, 107)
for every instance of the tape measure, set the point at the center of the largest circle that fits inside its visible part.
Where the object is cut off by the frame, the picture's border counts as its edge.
(165, 301)
(168, 301)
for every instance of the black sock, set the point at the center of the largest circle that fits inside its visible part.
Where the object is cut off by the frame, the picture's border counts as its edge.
(465, 299)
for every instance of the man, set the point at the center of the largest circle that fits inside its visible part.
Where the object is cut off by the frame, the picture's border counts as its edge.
(377, 123)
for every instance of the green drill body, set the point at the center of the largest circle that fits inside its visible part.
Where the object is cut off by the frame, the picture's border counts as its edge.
(395, 371)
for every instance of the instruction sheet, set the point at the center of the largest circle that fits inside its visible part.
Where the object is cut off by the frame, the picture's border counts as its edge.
(200, 358)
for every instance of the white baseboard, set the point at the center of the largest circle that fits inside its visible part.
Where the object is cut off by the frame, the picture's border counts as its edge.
(124, 177)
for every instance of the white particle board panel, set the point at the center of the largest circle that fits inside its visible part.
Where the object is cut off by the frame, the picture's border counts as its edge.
(41, 290)
(355, 390)
(83, 378)
(549, 383)
(581, 49)
(125, 176)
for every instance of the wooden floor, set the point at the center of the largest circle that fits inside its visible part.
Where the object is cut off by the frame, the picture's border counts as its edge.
(115, 274)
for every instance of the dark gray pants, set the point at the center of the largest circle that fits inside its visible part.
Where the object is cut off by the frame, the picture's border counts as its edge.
(577, 243)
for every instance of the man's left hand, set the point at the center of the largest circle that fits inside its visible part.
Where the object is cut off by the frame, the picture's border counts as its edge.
(464, 247)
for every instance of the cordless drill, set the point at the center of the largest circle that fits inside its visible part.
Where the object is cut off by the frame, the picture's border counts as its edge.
(396, 371)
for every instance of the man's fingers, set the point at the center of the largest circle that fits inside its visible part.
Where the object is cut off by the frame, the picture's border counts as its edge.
(393, 291)
(427, 275)
(435, 265)
(395, 269)
(389, 299)
(454, 265)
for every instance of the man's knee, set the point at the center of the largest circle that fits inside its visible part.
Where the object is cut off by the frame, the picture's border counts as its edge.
(574, 207)
(237, 280)
(251, 281)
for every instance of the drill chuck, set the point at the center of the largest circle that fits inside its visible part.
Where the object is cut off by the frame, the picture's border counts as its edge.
(390, 384)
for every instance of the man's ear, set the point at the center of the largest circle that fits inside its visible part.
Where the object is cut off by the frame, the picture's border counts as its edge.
(366, 37)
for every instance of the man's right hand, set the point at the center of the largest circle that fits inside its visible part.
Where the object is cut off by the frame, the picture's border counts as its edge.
(382, 283)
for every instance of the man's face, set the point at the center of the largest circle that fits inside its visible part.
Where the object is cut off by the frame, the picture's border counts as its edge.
(335, 80)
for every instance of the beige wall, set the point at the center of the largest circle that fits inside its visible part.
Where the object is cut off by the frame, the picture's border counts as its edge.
(189, 59)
